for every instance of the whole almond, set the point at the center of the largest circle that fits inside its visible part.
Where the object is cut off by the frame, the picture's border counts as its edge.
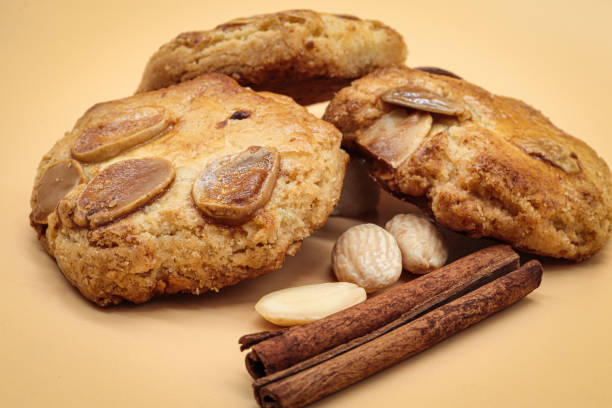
(422, 245)
(305, 304)
(368, 256)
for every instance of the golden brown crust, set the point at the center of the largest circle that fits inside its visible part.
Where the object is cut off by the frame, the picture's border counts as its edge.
(300, 53)
(168, 245)
(500, 169)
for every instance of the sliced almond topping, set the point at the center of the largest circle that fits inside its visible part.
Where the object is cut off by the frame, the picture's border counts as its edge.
(110, 136)
(121, 188)
(551, 152)
(236, 23)
(423, 100)
(438, 71)
(232, 188)
(395, 135)
(54, 184)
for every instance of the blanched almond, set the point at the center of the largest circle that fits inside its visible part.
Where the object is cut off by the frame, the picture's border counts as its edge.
(422, 245)
(305, 304)
(368, 256)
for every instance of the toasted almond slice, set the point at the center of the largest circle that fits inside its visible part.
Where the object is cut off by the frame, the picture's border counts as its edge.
(438, 71)
(423, 100)
(305, 304)
(395, 136)
(232, 188)
(54, 184)
(121, 188)
(109, 137)
(551, 152)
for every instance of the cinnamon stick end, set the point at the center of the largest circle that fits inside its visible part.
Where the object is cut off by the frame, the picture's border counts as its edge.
(269, 401)
(249, 340)
(535, 271)
(254, 365)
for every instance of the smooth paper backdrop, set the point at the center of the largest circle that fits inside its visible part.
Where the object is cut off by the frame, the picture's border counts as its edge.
(58, 350)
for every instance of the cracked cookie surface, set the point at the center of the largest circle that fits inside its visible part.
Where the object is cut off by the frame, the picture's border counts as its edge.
(129, 227)
(482, 164)
(300, 53)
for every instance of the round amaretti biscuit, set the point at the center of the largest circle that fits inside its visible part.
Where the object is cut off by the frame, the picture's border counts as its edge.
(300, 53)
(186, 189)
(483, 164)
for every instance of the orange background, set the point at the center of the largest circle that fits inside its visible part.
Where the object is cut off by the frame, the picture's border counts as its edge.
(57, 349)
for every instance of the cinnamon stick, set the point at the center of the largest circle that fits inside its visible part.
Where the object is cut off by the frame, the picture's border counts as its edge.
(275, 351)
(290, 389)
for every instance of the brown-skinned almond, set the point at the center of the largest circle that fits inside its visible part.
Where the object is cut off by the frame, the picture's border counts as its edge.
(423, 100)
(54, 184)
(120, 189)
(395, 135)
(106, 139)
(230, 189)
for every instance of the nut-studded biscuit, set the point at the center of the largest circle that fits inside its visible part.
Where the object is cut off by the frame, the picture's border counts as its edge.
(185, 189)
(483, 164)
(300, 53)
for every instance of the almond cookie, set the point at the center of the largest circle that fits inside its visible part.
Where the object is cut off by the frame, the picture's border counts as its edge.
(186, 189)
(483, 164)
(300, 53)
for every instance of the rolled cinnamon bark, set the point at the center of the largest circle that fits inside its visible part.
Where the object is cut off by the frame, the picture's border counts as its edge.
(275, 351)
(289, 389)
